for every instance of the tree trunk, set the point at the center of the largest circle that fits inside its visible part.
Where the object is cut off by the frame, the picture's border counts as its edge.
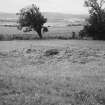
(40, 34)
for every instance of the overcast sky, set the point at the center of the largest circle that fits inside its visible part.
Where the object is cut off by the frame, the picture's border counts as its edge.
(63, 6)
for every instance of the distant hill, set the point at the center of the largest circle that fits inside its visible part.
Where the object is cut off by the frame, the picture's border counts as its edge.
(63, 15)
(49, 15)
(54, 19)
(7, 15)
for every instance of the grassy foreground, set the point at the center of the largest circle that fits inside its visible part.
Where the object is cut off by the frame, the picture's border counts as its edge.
(52, 73)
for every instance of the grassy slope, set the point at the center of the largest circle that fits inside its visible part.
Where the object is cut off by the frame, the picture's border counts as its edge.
(9, 33)
(75, 76)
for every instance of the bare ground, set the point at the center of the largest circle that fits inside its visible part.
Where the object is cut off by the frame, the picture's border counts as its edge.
(52, 72)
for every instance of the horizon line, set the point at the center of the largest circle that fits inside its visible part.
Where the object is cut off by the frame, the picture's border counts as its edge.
(49, 12)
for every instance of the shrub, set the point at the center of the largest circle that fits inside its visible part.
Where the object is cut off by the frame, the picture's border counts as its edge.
(1, 37)
(96, 22)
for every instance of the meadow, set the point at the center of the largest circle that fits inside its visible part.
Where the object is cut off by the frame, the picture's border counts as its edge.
(51, 71)
(12, 33)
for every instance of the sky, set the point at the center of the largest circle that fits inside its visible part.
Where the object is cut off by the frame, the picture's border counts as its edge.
(62, 6)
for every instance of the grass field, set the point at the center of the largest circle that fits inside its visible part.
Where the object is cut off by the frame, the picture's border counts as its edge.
(12, 33)
(54, 72)
(51, 72)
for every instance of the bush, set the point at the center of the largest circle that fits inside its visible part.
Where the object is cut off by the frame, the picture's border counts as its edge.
(2, 37)
(96, 22)
(73, 35)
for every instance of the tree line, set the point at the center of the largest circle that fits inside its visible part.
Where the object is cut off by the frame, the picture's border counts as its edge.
(32, 19)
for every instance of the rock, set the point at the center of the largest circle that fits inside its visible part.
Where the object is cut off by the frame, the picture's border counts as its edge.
(51, 52)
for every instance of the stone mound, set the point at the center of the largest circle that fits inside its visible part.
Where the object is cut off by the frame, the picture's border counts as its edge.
(51, 52)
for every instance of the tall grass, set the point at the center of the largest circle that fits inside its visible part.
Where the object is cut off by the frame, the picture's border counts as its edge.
(64, 33)
(29, 37)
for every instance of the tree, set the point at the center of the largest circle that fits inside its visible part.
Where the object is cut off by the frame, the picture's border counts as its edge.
(32, 19)
(96, 22)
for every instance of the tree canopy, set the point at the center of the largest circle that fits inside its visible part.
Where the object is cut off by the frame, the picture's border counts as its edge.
(96, 22)
(32, 19)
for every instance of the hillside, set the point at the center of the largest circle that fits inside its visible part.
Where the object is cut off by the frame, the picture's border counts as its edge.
(54, 19)
(7, 15)
(49, 15)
